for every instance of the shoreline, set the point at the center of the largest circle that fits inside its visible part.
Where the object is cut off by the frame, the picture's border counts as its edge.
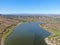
(11, 29)
(8, 32)
(46, 39)
(54, 38)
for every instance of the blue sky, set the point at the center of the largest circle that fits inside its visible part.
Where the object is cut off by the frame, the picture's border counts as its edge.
(30, 6)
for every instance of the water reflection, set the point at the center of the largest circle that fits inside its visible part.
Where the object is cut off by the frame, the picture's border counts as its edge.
(27, 34)
(39, 40)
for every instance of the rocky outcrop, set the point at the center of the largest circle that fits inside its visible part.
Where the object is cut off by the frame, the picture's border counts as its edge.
(53, 41)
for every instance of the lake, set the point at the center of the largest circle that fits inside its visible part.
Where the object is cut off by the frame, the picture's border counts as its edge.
(27, 34)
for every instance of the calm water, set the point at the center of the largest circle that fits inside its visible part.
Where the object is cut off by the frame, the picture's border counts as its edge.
(27, 34)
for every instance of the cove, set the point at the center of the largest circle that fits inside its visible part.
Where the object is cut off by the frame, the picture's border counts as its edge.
(27, 34)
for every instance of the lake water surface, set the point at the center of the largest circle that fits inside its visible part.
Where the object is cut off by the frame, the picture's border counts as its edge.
(28, 34)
